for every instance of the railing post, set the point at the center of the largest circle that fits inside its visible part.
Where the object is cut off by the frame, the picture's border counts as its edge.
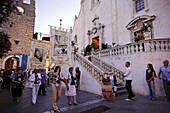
(167, 46)
(147, 46)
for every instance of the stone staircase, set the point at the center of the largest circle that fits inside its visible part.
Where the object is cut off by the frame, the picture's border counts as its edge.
(108, 68)
(98, 69)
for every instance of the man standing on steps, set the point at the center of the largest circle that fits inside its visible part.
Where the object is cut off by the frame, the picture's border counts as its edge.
(128, 78)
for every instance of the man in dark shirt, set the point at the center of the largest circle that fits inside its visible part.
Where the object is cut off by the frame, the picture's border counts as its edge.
(78, 78)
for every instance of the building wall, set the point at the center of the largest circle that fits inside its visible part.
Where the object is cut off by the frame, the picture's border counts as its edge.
(22, 30)
(139, 63)
(115, 15)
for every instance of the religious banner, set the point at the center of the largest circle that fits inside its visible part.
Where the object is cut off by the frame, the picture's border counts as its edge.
(60, 44)
(24, 61)
(38, 55)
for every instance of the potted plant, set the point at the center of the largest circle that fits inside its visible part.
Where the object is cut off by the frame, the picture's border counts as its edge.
(104, 46)
(72, 43)
(106, 88)
(93, 46)
(87, 50)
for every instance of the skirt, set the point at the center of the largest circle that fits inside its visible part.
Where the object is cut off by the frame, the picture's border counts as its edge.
(71, 91)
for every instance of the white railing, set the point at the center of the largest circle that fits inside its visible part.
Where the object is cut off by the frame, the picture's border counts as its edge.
(108, 67)
(154, 45)
(93, 70)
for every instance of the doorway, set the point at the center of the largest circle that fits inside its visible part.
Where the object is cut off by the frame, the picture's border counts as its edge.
(96, 41)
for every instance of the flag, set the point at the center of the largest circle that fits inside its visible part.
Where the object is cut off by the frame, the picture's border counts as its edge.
(24, 61)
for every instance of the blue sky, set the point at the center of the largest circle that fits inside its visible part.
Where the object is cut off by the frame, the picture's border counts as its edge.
(49, 12)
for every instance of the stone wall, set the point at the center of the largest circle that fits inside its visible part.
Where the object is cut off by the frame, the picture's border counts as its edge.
(22, 30)
(139, 63)
(115, 16)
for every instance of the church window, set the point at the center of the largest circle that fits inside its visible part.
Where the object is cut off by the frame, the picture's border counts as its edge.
(16, 42)
(140, 5)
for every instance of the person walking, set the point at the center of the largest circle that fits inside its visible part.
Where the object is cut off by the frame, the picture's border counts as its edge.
(4, 76)
(78, 78)
(56, 87)
(128, 78)
(1, 75)
(165, 72)
(71, 89)
(17, 85)
(150, 74)
(42, 86)
(36, 78)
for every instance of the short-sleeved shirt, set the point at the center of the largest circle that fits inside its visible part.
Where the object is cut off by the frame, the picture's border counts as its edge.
(165, 72)
(149, 75)
(18, 79)
(78, 74)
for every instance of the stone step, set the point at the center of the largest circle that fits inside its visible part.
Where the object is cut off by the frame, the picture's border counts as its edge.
(121, 92)
(120, 88)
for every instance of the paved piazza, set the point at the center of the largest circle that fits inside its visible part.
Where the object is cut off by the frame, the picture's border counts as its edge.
(86, 102)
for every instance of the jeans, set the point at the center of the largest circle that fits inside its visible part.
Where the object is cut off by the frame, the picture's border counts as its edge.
(166, 85)
(129, 89)
(151, 89)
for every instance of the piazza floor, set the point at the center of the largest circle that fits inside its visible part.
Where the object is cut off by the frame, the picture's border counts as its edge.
(88, 103)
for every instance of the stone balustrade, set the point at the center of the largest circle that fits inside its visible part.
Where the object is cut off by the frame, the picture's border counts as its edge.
(108, 67)
(154, 45)
(93, 70)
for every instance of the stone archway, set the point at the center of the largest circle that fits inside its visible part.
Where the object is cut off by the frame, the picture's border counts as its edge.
(7, 62)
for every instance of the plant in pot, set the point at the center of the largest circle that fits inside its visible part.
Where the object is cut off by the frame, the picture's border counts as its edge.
(87, 50)
(106, 88)
(72, 43)
(93, 45)
(104, 46)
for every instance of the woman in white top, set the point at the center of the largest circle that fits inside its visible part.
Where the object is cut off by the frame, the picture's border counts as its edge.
(36, 78)
(71, 89)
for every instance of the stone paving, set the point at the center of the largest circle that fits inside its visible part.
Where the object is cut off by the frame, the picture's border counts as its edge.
(86, 102)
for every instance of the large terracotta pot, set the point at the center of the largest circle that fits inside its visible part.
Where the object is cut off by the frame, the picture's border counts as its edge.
(107, 90)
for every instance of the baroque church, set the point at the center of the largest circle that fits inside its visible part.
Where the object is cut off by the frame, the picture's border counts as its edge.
(140, 30)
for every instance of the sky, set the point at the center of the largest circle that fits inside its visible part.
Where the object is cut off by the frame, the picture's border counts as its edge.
(49, 12)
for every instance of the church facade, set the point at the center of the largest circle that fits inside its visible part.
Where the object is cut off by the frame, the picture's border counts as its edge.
(115, 21)
(140, 28)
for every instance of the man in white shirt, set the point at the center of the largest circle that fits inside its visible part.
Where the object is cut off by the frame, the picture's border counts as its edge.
(128, 78)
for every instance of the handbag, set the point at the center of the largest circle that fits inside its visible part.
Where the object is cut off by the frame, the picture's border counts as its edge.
(29, 84)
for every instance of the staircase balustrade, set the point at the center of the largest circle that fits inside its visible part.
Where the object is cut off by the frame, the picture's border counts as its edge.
(108, 67)
(153, 45)
(97, 73)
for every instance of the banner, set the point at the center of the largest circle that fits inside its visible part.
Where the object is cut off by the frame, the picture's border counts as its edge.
(24, 61)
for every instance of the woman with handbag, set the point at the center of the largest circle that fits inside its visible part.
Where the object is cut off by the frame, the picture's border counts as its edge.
(71, 89)
(150, 74)
(17, 85)
(36, 78)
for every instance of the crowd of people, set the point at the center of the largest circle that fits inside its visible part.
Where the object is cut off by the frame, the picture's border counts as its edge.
(15, 81)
